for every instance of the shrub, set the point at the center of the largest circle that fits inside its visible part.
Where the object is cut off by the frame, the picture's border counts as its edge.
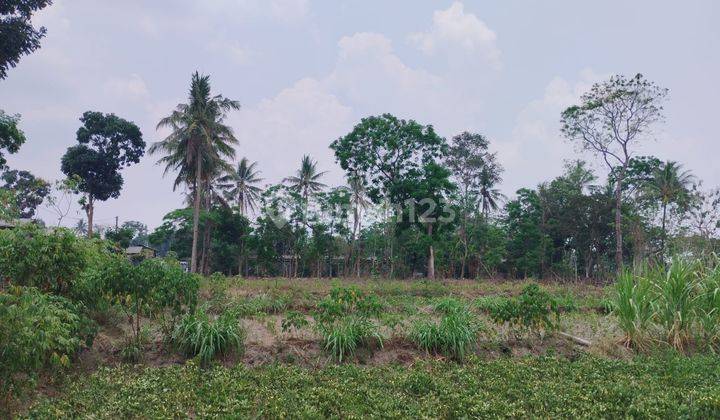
(294, 321)
(50, 261)
(452, 337)
(153, 287)
(344, 301)
(708, 308)
(197, 335)
(342, 337)
(532, 310)
(36, 331)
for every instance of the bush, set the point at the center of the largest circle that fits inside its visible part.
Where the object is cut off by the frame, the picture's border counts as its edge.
(452, 337)
(294, 321)
(342, 337)
(37, 331)
(344, 301)
(197, 335)
(533, 310)
(50, 261)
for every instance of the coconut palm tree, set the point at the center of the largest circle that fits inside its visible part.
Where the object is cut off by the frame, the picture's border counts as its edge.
(306, 179)
(240, 186)
(490, 175)
(198, 139)
(359, 202)
(668, 184)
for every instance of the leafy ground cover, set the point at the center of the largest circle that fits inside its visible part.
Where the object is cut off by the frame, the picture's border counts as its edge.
(548, 387)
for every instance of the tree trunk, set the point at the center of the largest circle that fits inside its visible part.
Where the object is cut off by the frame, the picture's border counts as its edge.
(196, 215)
(664, 229)
(90, 211)
(618, 222)
(431, 256)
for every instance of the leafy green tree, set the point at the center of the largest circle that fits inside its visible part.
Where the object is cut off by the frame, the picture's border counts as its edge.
(612, 118)
(29, 191)
(527, 247)
(425, 194)
(107, 144)
(11, 137)
(382, 151)
(17, 35)
(198, 139)
(241, 185)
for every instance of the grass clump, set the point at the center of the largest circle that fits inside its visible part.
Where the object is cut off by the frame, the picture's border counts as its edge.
(197, 335)
(677, 306)
(342, 337)
(453, 336)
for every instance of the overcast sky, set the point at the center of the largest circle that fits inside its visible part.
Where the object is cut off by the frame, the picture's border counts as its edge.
(306, 71)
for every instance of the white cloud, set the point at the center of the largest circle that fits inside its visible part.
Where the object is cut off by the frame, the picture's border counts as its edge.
(132, 87)
(535, 141)
(232, 49)
(454, 28)
(301, 119)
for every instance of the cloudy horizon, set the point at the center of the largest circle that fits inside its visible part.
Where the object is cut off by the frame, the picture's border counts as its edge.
(306, 72)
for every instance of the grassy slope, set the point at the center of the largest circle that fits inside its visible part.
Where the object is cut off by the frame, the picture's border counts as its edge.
(672, 387)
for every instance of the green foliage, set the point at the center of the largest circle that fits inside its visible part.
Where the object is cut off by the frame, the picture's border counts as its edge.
(534, 310)
(199, 336)
(29, 191)
(294, 321)
(346, 301)
(449, 305)
(51, 261)
(11, 137)
(37, 331)
(490, 303)
(677, 305)
(590, 387)
(343, 336)
(453, 336)
(632, 305)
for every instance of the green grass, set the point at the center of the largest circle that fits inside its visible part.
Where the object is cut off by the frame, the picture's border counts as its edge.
(197, 335)
(672, 387)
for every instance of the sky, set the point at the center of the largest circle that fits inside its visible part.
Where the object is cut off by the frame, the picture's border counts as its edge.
(305, 72)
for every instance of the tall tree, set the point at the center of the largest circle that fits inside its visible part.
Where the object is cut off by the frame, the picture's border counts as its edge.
(30, 191)
(476, 172)
(107, 144)
(11, 137)
(359, 202)
(612, 118)
(198, 138)
(669, 184)
(241, 187)
(17, 35)
(382, 151)
(307, 178)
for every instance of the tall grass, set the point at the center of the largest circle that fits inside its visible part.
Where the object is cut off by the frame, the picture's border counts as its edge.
(677, 306)
(633, 305)
(675, 300)
(344, 336)
(453, 336)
